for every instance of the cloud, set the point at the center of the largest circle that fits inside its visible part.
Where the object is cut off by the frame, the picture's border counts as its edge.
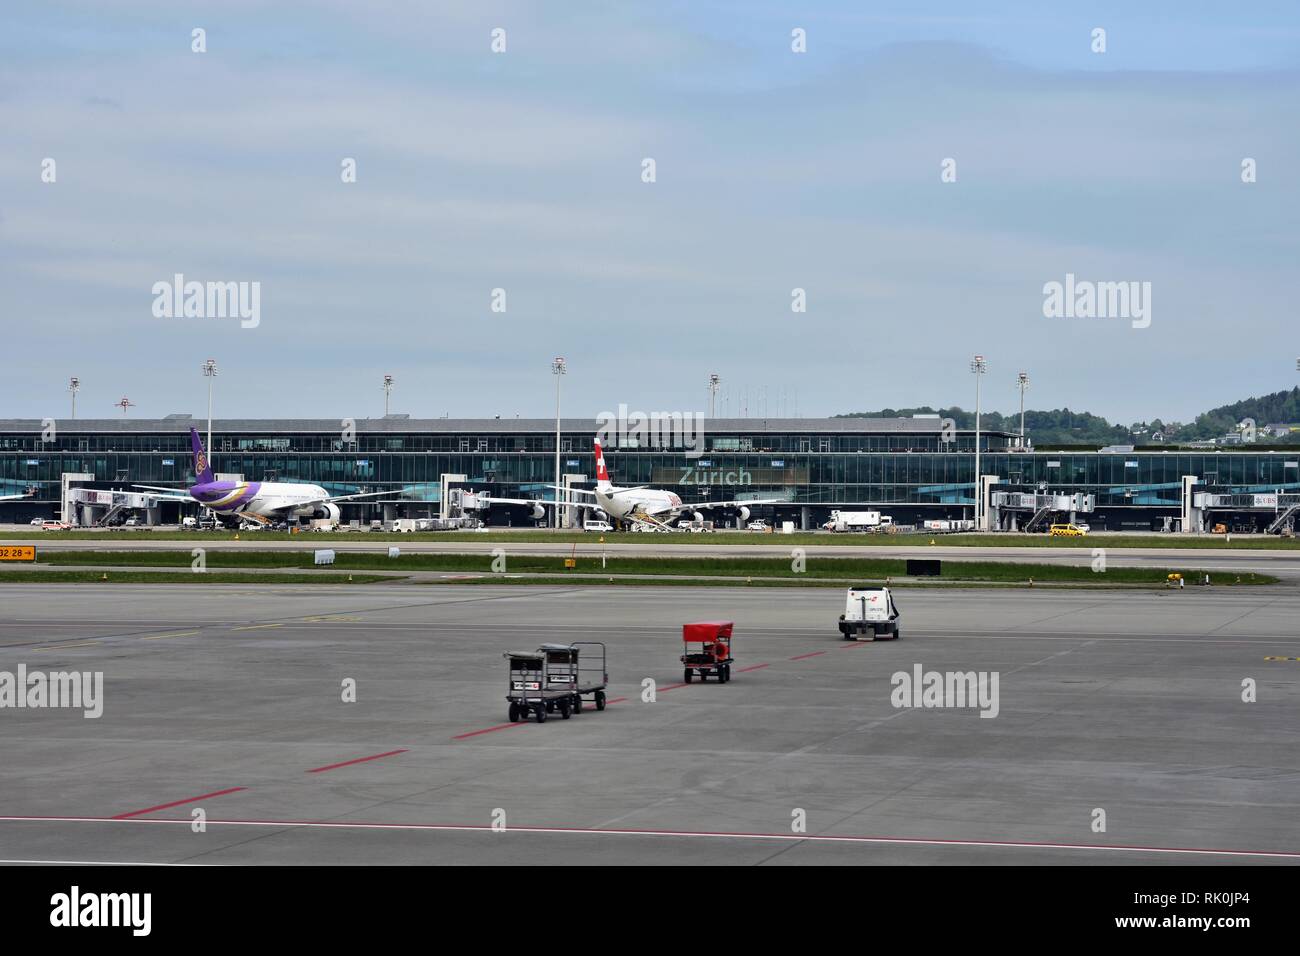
(523, 172)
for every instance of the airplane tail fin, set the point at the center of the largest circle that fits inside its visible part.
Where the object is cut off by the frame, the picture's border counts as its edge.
(202, 469)
(602, 473)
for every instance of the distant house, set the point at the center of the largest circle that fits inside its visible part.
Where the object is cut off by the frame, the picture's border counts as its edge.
(1280, 430)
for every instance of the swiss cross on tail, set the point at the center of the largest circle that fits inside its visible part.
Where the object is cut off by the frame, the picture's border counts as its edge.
(602, 473)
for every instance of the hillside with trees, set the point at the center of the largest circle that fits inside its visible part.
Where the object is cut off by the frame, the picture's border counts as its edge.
(1064, 426)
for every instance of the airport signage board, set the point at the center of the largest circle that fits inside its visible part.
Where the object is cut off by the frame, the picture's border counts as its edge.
(17, 552)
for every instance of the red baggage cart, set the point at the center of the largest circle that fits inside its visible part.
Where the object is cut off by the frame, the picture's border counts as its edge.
(708, 650)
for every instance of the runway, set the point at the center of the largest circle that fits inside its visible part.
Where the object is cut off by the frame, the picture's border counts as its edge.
(1285, 564)
(229, 700)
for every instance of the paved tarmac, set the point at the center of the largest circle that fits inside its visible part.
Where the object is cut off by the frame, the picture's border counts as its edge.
(1285, 564)
(228, 700)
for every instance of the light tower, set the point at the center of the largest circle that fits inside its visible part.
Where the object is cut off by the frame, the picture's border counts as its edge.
(388, 390)
(715, 382)
(978, 367)
(209, 369)
(558, 369)
(124, 403)
(74, 385)
(1022, 383)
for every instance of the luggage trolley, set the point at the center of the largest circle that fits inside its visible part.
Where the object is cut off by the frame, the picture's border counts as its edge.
(556, 677)
(714, 654)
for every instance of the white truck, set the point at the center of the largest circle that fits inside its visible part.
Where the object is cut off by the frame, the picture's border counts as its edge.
(408, 525)
(842, 521)
(869, 610)
(948, 526)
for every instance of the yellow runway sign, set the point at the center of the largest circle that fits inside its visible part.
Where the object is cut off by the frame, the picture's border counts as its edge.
(18, 552)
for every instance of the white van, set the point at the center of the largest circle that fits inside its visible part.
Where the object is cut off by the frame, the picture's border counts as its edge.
(601, 526)
(870, 609)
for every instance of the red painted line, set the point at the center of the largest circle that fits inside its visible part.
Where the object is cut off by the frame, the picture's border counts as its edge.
(488, 730)
(855, 644)
(753, 667)
(177, 803)
(624, 831)
(670, 687)
(349, 763)
(802, 656)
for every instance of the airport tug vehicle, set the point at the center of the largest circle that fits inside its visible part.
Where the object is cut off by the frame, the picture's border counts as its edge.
(555, 678)
(869, 610)
(707, 646)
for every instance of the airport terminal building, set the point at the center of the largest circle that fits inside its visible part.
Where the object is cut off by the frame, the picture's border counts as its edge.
(911, 468)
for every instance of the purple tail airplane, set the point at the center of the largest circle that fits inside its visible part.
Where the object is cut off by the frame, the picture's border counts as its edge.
(263, 501)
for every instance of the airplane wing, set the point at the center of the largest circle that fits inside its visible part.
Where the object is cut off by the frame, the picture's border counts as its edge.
(493, 500)
(13, 497)
(171, 493)
(706, 505)
(584, 491)
(332, 498)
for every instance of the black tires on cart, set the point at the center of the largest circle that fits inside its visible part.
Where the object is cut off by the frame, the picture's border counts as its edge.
(687, 676)
(514, 712)
(724, 673)
(577, 703)
(564, 709)
(600, 700)
(541, 714)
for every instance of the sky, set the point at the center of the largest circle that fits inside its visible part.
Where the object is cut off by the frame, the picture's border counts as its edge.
(524, 171)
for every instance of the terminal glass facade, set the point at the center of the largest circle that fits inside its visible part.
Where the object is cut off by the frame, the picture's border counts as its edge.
(845, 462)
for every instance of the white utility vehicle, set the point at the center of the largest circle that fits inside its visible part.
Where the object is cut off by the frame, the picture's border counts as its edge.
(842, 521)
(869, 611)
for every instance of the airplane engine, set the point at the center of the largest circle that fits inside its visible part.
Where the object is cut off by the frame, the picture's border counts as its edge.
(326, 510)
(744, 513)
(698, 516)
(539, 512)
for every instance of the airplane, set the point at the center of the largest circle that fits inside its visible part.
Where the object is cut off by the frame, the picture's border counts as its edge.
(653, 506)
(261, 501)
(29, 493)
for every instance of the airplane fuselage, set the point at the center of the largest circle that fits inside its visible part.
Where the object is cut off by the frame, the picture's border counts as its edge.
(651, 501)
(264, 499)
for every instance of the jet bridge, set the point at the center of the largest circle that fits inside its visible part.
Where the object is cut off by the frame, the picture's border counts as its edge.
(1246, 511)
(94, 507)
(1029, 511)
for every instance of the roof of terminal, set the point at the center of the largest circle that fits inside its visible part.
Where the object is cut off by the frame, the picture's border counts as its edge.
(400, 424)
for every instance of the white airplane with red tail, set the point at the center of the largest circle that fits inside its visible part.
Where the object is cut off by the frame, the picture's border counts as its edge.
(653, 506)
